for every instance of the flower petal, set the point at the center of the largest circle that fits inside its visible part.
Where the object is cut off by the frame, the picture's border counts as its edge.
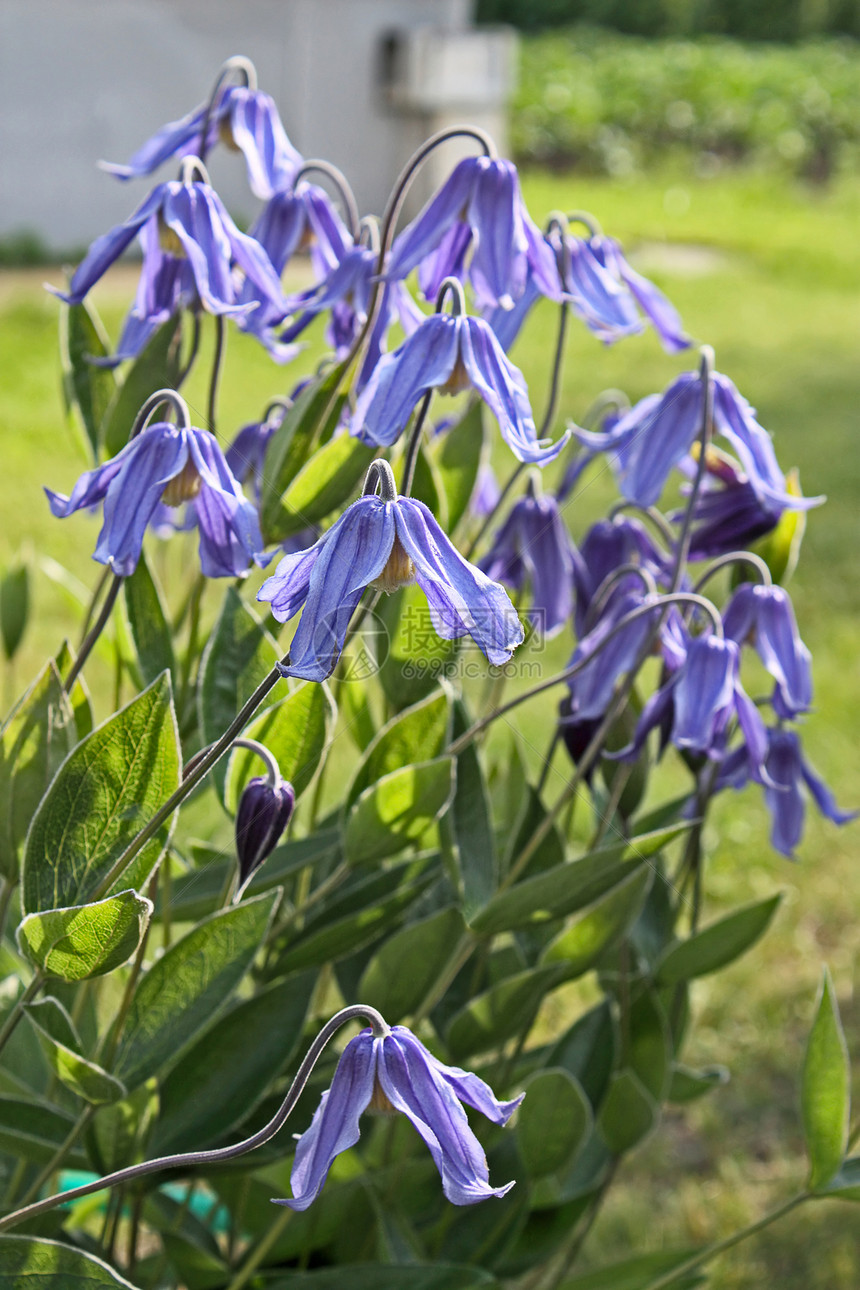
(424, 360)
(428, 228)
(110, 246)
(229, 529)
(148, 463)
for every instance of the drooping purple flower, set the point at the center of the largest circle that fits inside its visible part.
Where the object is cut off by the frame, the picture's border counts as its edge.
(168, 464)
(264, 812)
(593, 687)
(607, 252)
(243, 118)
(607, 546)
(246, 455)
(533, 547)
(728, 514)
(478, 214)
(659, 431)
(187, 221)
(452, 354)
(395, 1072)
(387, 541)
(765, 616)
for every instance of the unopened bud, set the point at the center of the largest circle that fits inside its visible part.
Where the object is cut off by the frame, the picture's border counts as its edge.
(264, 812)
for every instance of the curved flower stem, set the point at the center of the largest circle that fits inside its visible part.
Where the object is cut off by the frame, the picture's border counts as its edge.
(601, 595)
(215, 377)
(94, 633)
(680, 1270)
(736, 557)
(555, 378)
(651, 513)
(411, 458)
(661, 603)
(191, 1159)
(236, 64)
(341, 183)
(392, 210)
(190, 781)
(272, 767)
(192, 352)
(682, 550)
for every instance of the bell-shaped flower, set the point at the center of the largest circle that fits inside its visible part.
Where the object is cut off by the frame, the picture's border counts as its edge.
(608, 652)
(243, 118)
(534, 547)
(640, 291)
(607, 546)
(765, 616)
(170, 464)
(660, 430)
(386, 541)
(396, 1073)
(451, 353)
(477, 215)
(187, 220)
(728, 513)
(264, 812)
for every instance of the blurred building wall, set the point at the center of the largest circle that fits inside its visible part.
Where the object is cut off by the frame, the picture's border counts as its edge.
(360, 82)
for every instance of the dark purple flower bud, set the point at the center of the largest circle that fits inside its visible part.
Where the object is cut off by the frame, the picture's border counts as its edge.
(264, 812)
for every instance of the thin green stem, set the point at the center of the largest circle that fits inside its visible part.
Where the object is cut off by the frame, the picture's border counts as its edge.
(682, 550)
(215, 375)
(94, 599)
(17, 1010)
(681, 1270)
(201, 769)
(260, 1250)
(411, 459)
(60, 1154)
(5, 897)
(491, 515)
(93, 634)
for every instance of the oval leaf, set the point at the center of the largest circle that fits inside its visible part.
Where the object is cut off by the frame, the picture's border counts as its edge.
(81, 1076)
(103, 794)
(87, 387)
(397, 810)
(14, 607)
(553, 1122)
(416, 734)
(85, 940)
(718, 944)
(601, 925)
(826, 1090)
(399, 976)
(147, 622)
(156, 367)
(323, 484)
(184, 990)
(500, 1012)
(32, 1263)
(628, 1113)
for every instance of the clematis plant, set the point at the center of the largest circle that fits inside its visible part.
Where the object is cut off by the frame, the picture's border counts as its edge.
(182, 936)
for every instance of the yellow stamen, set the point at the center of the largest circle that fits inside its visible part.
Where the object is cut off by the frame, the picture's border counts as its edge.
(458, 381)
(169, 241)
(182, 487)
(225, 133)
(379, 1103)
(398, 571)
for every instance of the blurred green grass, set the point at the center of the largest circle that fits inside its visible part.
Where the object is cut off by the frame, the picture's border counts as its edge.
(768, 274)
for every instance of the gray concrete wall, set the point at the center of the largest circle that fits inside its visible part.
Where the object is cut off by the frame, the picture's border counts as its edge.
(82, 80)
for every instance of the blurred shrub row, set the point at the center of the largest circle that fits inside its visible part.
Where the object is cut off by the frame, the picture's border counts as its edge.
(762, 20)
(612, 103)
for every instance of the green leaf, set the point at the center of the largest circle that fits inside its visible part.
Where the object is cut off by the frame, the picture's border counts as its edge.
(416, 657)
(649, 1043)
(458, 463)
(147, 621)
(397, 810)
(225, 1073)
(846, 1183)
(35, 1130)
(718, 944)
(14, 607)
(331, 937)
(189, 1244)
(825, 1099)
(240, 655)
(399, 976)
(504, 1010)
(470, 826)
(565, 888)
(628, 1112)
(311, 420)
(33, 1263)
(75, 1072)
(780, 549)
(324, 484)
(587, 1051)
(107, 789)
(553, 1122)
(637, 1273)
(35, 738)
(601, 925)
(296, 731)
(183, 991)
(382, 1276)
(50, 1016)
(416, 734)
(85, 940)
(686, 1085)
(157, 367)
(87, 388)
(119, 1133)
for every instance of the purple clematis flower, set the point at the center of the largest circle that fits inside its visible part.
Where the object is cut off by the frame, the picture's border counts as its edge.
(660, 430)
(395, 1072)
(764, 615)
(533, 546)
(169, 464)
(187, 221)
(244, 119)
(728, 514)
(587, 291)
(593, 687)
(607, 546)
(387, 541)
(788, 773)
(451, 353)
(478, 211)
